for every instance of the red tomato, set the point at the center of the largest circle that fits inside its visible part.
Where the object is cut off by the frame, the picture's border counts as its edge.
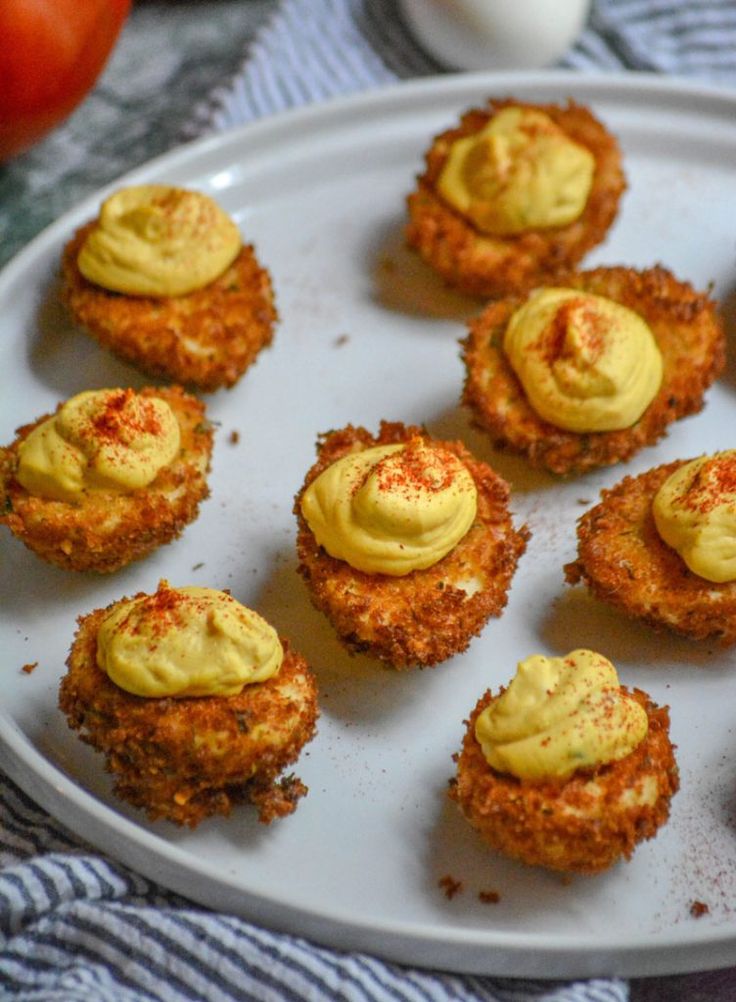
(51, 53)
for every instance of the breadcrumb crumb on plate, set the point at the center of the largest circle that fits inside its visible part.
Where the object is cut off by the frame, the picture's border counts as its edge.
(624, 562)
(489, 266)
(189, 758)
(107, 530)
(687, 327)
(205, 339)
(428, 615)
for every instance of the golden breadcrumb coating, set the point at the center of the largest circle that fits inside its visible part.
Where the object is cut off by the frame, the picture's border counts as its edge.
(188, 758)
(428, 615)
(205, 339)
(688, 331)
(106, 530)
(583, 824)
(490, 266)
(625, 562)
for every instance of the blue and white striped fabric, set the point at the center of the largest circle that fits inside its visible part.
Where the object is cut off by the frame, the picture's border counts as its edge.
(317, 49)
(76, 926)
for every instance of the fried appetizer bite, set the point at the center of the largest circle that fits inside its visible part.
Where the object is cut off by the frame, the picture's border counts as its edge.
(586, 373)
(111, 476)
(566, 768)
(194, 701)
(163, 279)
(514, 195)
(406, 543)
(660, 547)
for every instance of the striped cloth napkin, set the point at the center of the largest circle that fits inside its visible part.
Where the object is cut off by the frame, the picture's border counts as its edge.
(77, 926)
(293, 61)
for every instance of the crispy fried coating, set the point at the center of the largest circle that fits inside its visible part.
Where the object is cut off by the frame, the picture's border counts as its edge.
(625, 562)
(583, 824)
(188, 758)
(428, 615)
(490, 266)
(688, 331)
(107, 530)
(205, 339)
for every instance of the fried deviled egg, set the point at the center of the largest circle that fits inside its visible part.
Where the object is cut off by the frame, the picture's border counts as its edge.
(566, 768)
(406, 543)
(661, 547)
(110, 476)
(586, 373)
(194, 701)
(514, 195)
(162, 279)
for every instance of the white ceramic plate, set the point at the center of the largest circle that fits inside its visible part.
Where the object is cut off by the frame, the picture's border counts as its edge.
(368, 333)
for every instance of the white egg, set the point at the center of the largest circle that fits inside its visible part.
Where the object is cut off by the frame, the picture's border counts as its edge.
(496, 34)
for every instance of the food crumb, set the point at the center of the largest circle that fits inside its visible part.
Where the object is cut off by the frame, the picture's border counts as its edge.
(234, 437)
(698, 909)
(342, 340)
(450, 886)
(29, 667)
(196, 567)
(489, 897)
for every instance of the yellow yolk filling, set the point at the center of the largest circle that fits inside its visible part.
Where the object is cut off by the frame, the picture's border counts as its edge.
(586, 363)
(186, 642)
(113, 440)
(155, 240)
(391, 509)
(520, 172)
(558, 715)
(695, 513)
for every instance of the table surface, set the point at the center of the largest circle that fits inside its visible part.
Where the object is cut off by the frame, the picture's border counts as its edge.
(170, 55)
